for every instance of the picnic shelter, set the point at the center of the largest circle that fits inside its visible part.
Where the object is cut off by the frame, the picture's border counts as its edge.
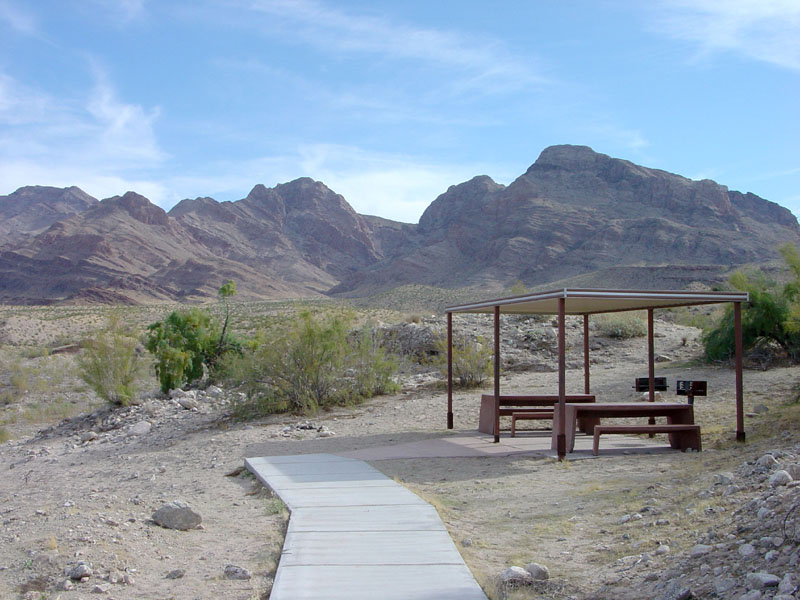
(585, 303)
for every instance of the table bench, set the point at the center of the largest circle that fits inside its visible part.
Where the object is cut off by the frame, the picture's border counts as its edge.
(687, 436)
(590, 415)
(523, 405)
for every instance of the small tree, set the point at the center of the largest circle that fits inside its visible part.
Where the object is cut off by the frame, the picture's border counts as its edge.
(181, 344)
(109, 363)
(772, 316)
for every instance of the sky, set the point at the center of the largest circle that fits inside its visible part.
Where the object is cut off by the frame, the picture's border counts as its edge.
(390, 103)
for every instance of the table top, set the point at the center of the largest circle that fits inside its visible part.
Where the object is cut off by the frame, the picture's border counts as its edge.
(630, 405)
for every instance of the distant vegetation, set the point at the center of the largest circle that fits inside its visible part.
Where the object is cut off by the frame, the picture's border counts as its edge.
(109, 363)
(625, 325)
(313, 361)
(472, 360)
(770, 323)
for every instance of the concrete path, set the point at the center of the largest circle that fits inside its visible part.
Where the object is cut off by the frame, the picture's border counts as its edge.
(356, 534)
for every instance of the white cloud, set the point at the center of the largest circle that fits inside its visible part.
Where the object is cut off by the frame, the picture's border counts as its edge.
(764, 30)
(484, 64)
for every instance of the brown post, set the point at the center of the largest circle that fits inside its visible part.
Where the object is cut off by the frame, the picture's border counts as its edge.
(737, 327)
(651, 368)
(449, 370)
(561, 439)
(497, 374)
(586, 389)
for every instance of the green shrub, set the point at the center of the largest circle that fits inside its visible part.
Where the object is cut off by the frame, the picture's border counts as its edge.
(313, 362)
(109, 363)
(768, 319)
(472, 360)
(180, 344)
(624, 325)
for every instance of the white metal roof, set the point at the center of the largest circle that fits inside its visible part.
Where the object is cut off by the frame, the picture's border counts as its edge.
(591, 301)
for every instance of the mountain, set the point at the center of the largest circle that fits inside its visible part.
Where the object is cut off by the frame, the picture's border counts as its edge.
(575, 211)
(574, 216)
(33, 209)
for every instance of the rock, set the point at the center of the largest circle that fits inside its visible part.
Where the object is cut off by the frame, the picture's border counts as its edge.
(760, 581)
(234, 572)
(779, 478)
(746, 550)
(760, 409)
(700, 550)
(515, 577)
(678, 592)
(176, 574)
(79, 570)
(767, 461)
(538, 572)
(624, 519)
(793, 470)
(663, 358)
(89, 436)
(177, 515)
(65, 585)
(140, 428)
(724, 478)
(188, 403)
(214, 391)
(751, 595)
(788, 584)
(661, 550)
(724, 585)
(100, 589)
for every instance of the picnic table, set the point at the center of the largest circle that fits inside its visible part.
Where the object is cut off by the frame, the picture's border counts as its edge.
(523, 407)
(680, 421)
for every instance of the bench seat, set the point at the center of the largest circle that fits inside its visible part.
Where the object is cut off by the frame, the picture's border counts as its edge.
(688, 436)
(528, 415)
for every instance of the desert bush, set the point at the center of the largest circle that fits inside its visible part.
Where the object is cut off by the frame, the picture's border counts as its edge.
(313, 362)
(472, 360)
(188, 340)
(768, 320)
(180, 344)
(109, 363)
(624, 325)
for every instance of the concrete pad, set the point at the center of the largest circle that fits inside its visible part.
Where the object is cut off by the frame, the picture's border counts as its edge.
(417, 517)
(369, 548)
(348, 496)
(387, 582)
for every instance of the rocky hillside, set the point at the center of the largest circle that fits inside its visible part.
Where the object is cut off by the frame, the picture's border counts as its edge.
(575, 216)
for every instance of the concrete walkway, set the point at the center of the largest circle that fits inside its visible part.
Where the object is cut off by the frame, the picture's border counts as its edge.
(356, 534)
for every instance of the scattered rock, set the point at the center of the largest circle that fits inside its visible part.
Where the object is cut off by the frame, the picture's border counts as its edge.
(188, 403)
(79, 570)
(234, 572)
(767, 461)
(176, 574)
(760, 581)
(514, 577)
(538, 572)
(89, 436)
(700, 550)
(177, 515)
(779, 478)
(140, 428)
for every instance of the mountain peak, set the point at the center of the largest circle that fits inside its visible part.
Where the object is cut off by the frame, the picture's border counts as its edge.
(138, 207)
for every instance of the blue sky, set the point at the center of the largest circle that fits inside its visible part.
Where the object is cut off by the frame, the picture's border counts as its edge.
(389, 103)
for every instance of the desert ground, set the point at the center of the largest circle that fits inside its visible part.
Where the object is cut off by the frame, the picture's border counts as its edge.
(81, 480)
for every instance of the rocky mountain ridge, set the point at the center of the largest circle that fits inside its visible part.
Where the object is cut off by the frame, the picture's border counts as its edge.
(573, 215)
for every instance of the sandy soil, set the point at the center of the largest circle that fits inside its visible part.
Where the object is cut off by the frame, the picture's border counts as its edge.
(63, 499)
